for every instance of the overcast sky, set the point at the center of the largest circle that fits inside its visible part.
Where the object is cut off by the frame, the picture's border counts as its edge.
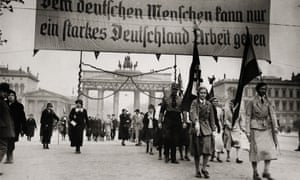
(58, 70)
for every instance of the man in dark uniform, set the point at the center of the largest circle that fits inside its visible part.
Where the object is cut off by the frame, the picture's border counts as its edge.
(170, 117)
(47, 120)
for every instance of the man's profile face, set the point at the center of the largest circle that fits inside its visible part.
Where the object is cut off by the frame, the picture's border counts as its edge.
(262, 91)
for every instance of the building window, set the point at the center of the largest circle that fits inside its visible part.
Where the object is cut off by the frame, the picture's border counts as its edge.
(246, 92)
(17, 88)
(291, 93)
(298, 105)
(284, 92)
(298, 93)
(276, 93)
(22, 88)
(291, 106)
(277, 105)
(283, 105)
(270, 92)
(254, 91)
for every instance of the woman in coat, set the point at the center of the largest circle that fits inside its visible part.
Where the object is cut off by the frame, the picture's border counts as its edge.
(30, 127)
(261, 130)
(78, 120)
(47, 121)
(232, 134)
(203, 128)
(125, 122)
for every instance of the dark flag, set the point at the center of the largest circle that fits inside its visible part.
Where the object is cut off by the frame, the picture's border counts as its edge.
(211, 92)
(180, 84)
(249, 71)
(194, 80)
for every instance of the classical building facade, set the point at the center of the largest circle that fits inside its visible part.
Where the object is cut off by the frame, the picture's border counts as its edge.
(116, 81)
(36, 101)
(19, 80)
(285, 95)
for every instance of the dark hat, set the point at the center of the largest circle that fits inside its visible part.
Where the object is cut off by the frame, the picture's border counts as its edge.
(174, 86)
(4, 87)
(137, 110)
(49, 105)
(10, 91)
(79, 101)
(259, 85)
(151, 106)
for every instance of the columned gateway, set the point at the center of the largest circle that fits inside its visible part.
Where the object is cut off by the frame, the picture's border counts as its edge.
(103, 81)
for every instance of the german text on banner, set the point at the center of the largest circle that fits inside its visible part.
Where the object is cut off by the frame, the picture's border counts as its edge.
(154, 26)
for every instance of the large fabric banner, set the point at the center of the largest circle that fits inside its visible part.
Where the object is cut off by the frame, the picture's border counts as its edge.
(154, 26)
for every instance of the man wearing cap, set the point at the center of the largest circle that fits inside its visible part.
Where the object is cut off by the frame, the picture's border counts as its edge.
(170, 118)
(6, 122)
(47, 120)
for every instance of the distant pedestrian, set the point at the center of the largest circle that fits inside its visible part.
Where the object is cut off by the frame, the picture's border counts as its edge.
(150, 124)
(6, 122)
(125, 123)
(107, 127)
(232, 134)
(137, 121)
(88, 130)
(30, 127)
(48, 119)
(297, 126)
(115, 125)
(78, 120)
(19, 118)
(62, 127)
(218, 144)
(203, 128)
(261, 130)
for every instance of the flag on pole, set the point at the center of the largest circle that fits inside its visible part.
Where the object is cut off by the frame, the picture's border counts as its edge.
(179, 80)
(249, 71)
(194, 80)
(211, 92)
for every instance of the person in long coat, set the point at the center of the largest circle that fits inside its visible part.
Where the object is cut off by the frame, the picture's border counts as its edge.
(232, 134)
(48, 119)
(30, 127)
(203, 128)
(78, 120)
(170, 117)
(6, 122)
(124, 126)
(19, 118)
(261, 129)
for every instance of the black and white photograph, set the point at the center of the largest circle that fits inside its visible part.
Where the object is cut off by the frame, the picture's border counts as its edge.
(149, 89)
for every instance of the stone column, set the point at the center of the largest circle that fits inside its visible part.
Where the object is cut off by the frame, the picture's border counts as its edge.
(100, 103)
(136, 104)
(84, 98)
(151, 99)
(116, 104)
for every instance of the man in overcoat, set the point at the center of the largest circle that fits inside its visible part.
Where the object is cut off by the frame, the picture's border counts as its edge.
(6, 122)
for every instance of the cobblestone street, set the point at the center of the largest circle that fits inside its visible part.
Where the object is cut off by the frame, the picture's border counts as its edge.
(111, 161)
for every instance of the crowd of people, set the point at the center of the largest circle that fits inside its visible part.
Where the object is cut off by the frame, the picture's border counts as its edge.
(205, 132)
